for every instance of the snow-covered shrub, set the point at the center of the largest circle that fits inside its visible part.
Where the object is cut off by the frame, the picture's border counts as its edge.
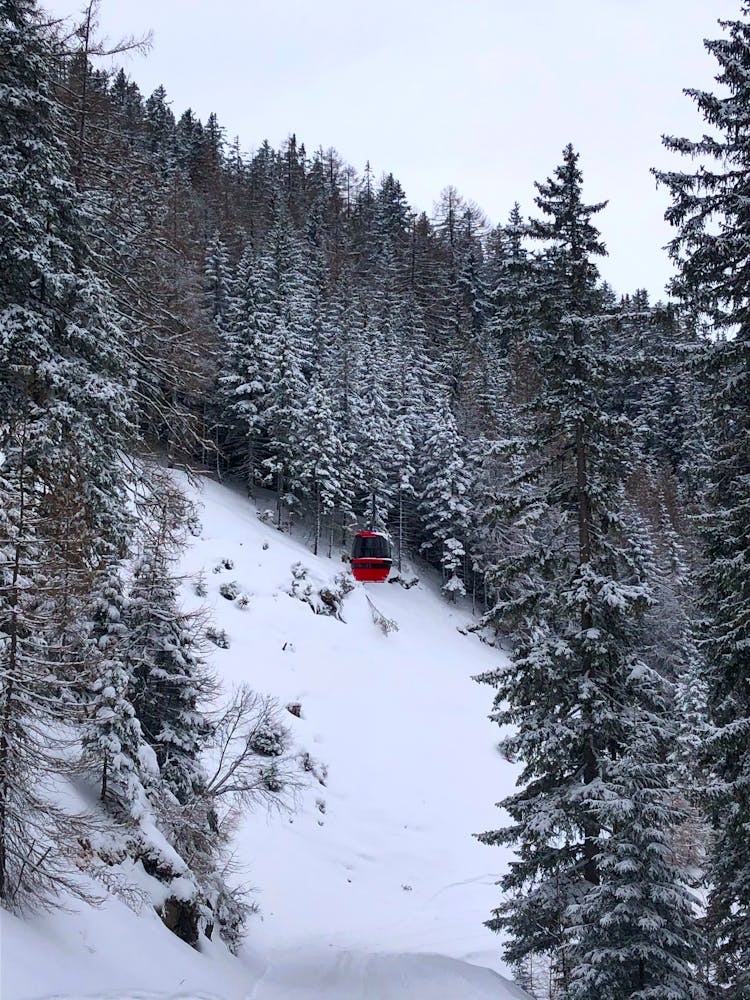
(272, 779)
(327, 600)
(230, 591)
(193, 523)
(217, 636)
(267, 739)
(331, 598)
(301, 587)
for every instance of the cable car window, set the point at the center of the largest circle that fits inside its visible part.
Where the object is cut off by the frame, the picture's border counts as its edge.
(371, 547)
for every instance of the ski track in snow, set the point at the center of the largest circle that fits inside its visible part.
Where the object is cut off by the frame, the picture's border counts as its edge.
(384, 893)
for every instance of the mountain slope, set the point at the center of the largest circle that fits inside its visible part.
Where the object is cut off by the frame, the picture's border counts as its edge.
(374, 887)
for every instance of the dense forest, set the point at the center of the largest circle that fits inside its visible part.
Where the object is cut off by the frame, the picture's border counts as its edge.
(573, 461)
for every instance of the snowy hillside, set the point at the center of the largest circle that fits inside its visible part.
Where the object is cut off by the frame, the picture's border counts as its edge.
(374, 887)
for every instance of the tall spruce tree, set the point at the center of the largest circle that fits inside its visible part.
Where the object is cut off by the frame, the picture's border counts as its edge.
(592, 886)
(114, 748)
(170, 682)
(65, 424)
(712, 251)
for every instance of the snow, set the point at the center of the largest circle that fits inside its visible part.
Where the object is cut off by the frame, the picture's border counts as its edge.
(374, 887)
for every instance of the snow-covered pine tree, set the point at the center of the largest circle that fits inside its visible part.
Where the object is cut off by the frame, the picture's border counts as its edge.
(66, 424)
(244, 365)
(283, 419)
(374, 437)
(218, 272)
(712, 250)
(443, 510)
(592, 885)
(459, 227)
(170, 682)
(342, 321)
(511, 277)
(321, 461)
(288, 361)
(114, 748)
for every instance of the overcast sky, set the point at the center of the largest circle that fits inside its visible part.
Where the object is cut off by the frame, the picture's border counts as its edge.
(482, 94)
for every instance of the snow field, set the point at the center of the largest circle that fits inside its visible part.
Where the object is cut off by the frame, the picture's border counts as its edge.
(374, 886)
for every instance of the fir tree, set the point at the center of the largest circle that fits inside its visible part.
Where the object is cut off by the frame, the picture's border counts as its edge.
(592, 816)
(169, 678)
(321, 461)
(711, 250)
(67, 421)
(442, 499)
(245, 364)
(112, 739)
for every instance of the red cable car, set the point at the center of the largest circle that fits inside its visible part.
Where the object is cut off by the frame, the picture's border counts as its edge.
(371, 557)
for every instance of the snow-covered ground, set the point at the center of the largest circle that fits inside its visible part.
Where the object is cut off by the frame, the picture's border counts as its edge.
(374, 887)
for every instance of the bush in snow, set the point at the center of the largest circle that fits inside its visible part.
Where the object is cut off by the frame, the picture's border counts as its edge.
(217, 636)
(230, 591)
(267, 739)
(325, 601)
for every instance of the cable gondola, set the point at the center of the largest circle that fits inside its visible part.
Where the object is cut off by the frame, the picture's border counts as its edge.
(371, 557)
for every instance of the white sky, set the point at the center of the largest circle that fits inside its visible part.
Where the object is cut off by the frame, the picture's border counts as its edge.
(482, 94)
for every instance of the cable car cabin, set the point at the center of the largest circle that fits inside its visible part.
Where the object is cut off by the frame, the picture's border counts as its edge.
(371, 557)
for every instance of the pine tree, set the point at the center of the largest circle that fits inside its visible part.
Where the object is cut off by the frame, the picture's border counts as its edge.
(112, 739)
(593, 814)
(442, 499)
(169, 678)
(283, 419)
(321, 461)
(67, 421)
(245, 364)
(218, 279)
(711, 251)
(374, 439)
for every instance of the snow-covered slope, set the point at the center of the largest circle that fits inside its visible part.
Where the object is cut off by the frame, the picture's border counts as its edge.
(374, 887)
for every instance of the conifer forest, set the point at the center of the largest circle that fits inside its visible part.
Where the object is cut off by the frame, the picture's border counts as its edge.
(571, 462)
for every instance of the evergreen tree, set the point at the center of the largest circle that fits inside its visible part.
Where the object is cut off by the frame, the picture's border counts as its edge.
(218, 279)
(711, 251)
(244, 368)
(442, 499)
(67, 421)
(593, 814)
(169, 678)
(283, 419)
(113, 743)
(321, 461)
